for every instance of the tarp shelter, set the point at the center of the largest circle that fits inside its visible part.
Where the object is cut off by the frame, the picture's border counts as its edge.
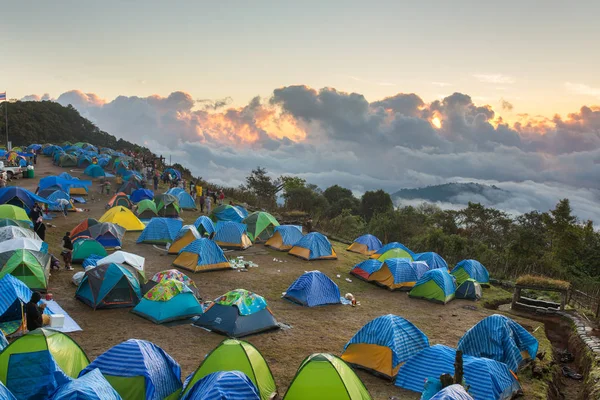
(14, 294)
(452, 392)
(499, 338)
(488, 379)
(83, 228)
(399, 273)
(141, 194)
(433, 260)
(383, 344)
(238, 313)
(312, 289)
(138, 369)
(169, 300)
(324, 376)
(226, 212)
(284, 237)
(185, 200)
(36, 364)
(471, 269)
(12, 232)
(365, 244)
(30, 267)
(469, 290)
(94, 170)
(436, 285)
(13, 212)
(260, 226)
(108, 234)
(365, 269)
(85, 247)
(227, 385)
(174, 274)
(237, 355)
(167, 205)
(23, 243)
(120, 199)
(202, 255)
(109, 286)
(146, 209)
(16, 196)
(62, 183)
(392, 246)
(204, 225)
(314, 246)
(232, 235)
(123, 216)
(91, 386)
(160, 231)
(186, 235)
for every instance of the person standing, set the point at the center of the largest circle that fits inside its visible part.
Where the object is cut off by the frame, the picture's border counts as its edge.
(35, 158)
(67, 251)
(201, 201)
(38, 221)
(207, 203)
(192, 186)
(221, 197)
(155, 181)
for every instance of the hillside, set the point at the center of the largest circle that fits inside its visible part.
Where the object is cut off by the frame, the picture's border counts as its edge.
(458, 193)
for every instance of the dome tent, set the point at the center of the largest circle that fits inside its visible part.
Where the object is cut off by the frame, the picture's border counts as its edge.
(232, 235)
(120, 199)
(122, 216)
(452, 392)
(108, 234)
(471, 269)
(399, 273)
(15, 294)
(202, 255)
(186, 201)
(169, 300)
(141, 194)
(160, 231)
(226, 212)
(436, 285)
(186, 235)
(29, 266)
(433, 260)
(285, 237)
(174, 274)
(391, 246)
(83, 228)
(85, 247)
(109, 286)
(260, 226)
(365, 244)
(146, 209)
(223, 385)
(365, 269)
(314, 246)
(395, 253)
(204, 225)
(469, 290)
(313, 289)
(91, 386)
(167, 205)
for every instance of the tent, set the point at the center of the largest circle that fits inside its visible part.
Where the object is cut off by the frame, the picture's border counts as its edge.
(58, 198)
(452, 392)
(36, 364)
(314, 246)
(238, 313)
(201, 255)
(175, 191)
(91, 386)
(186, 201)
(23, 243)
(499, 338)
(167, 205)
(129, 186)
(436, 285)
(13, 212)
(324, 376)
(146, 209)
(120, 199)
(124, 258)
(168, 300)
(395, 253)
(471, 269)
(469, 290)
(392, 246)
(226, 212)
(84, 161)
(20, 197)
(284, 237)
(94, 170)
(383, 344)
(5, 394)
(433, 260)
(83, 228)
(63, 182)
(67, 160)
(85, 247)
(107, 234)
(141, 194)
(312, 289)
(186, 235)
(174, 173)
(109, 286)
(11, 222)
(12, 232)
(14, 294)
(365, 269)
(232, 235)
(138, 369)
(174, 274)
(123, 216)
(30, 267)
(365, 244)
(488, 379)
(204, 225)
(160, 231)
(237, 355)
(399, 273)
(223, 385)
(260, 226)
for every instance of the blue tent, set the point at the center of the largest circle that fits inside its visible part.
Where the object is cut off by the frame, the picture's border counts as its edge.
(452, 392)
(501, 339)
(5, 394)
(227, 212)
(173, 172)
(284, 237)
(91, 386)
(175, 191)
(223, 385)
(14, 294)
(313, 246)
(33, 147)
(141, 194)
(55, 198)
(400, 273)
(160, 231)
(186, 201)
(109, 286)
(366, 244)
(393, 245)
(313, 288)
(232, 235)
(67, 176)
(204, 225)
(435, 285)
(84, 161)
(134, 359)
(433, 260)
(471, 269)
(469, 290)
(364, 269)
(94, 171)
(202, 255)
(488, 379)
(21, 197)
(169, 300)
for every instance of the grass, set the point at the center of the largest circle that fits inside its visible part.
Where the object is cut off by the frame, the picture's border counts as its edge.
(495, 296)
(543, 282)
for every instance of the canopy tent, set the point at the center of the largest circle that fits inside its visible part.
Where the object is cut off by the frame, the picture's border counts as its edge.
(365, 244)
(160, 231)
(12, 232)
(83, 228)
(229, 385)
(471, 269)
(383, 344)
(120, 199)
(391, 246)
(260, 226)
(108, 234)
(14, 294)
(365, 269)
(84, 247)
(122, 216)
(236, 355)
(167, 205)
(109, 286)
(186, 235)
(204, 225)
(30, 267)
(169, 300)
(141, 194)
(433, 260)
(314, 246)
(284, 237)
(312, 289)
(436, 285)
(399, 273)
(469, 290)
(202, 255)
(13, 212)
(226, 212)
(91, 386)
(232, 235)
(16, 196)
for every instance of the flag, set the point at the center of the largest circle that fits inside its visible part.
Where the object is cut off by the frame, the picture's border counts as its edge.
(3, 96)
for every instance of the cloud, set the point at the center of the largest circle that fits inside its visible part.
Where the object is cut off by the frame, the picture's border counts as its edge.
(505, 105)
(494, 78)
(580, 88)
(37, 97)
(441, 84)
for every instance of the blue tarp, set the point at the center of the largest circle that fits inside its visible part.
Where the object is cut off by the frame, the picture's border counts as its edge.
(313, 289)
(63, 182)
(91, 386)
(433, 260)
(9, 195)
(223, 385)
(317, 243)
(160, 230)
(372, 243)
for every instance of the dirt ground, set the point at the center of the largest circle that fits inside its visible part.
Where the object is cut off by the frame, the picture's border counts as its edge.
(321, 329)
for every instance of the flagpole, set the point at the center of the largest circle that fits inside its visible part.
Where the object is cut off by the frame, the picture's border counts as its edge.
(6, 120)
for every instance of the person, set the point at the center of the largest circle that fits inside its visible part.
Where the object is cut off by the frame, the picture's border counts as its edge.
(192, 186)
(221, 197)
(34, 313)
(107, 187)
(214, 196)
(155, 182)
(40, 230)
(35, 158)
(119, 180)
(207, 203)
(201, 201)
(2, 181)
(67, 251)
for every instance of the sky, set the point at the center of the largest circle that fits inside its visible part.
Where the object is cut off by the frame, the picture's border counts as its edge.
(365, 94)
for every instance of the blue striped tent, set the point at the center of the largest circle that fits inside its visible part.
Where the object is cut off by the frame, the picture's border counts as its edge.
(314, 246)
(232, 235)
(285, 237)
(488, 379)
(452, 392)
(223, 385)
(5, 394)
(204, 225)
(14, 294)
(436, 285)
(365, 244)
(160, 231)
(390, 246)
(312, 289)
(91, 386)
(364, 269)
(186, 201)
(433, 260)
(201, 255)
(399, 273)
(385, 343)
(55, 198)
(139, 369)
(471, 269)
(501, 339)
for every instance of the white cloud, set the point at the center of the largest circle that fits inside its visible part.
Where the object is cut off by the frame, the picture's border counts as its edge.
(498, 79)
(580, 88)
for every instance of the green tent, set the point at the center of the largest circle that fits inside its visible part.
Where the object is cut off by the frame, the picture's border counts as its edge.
(395, 253)
(12, 222)
(13, 212)
(67, 160)
(237, 355)
(83, 248)
(324, 376)
(30, 267)
(146, 209)
(260, 226)
(167, 205)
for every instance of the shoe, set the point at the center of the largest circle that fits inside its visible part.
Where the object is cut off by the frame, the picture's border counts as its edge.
(69, 268)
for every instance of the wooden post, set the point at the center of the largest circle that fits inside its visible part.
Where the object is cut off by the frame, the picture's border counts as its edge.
(516, 297)
(458, 367)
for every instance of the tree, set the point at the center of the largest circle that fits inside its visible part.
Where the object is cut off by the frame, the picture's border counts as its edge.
(263, 186)
(340, 199)
(290, 182)
(373, 203)
(305, 199)
(336, 193)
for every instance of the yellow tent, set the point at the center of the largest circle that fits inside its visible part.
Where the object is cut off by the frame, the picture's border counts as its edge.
(186, 235)
(124, 217)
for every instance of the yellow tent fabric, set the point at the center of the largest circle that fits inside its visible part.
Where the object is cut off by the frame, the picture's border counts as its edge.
(124, 217)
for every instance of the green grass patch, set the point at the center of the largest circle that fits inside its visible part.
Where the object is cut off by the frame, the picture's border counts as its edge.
(543, 282)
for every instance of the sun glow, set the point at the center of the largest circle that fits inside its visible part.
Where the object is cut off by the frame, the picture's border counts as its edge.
(436, 122)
